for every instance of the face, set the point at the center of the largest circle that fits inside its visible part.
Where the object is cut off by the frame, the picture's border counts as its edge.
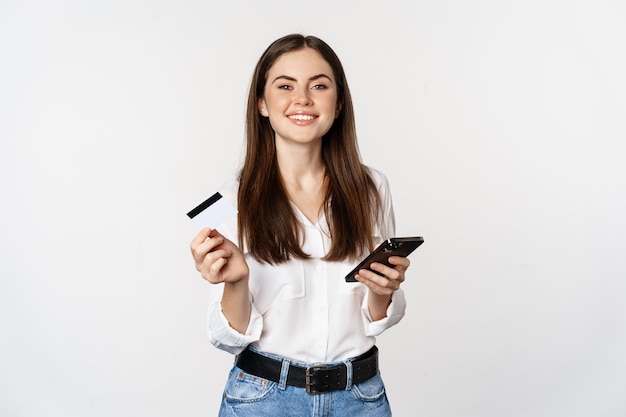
(300, 97)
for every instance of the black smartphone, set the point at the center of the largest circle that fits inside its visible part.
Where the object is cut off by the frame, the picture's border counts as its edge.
(395, 246)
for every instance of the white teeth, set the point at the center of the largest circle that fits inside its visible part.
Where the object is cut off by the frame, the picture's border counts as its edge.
(301, 117)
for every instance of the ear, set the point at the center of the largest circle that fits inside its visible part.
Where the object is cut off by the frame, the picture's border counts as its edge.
(339, 107)
(262, 107)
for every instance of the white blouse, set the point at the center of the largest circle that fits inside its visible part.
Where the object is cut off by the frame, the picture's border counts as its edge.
(303, 309)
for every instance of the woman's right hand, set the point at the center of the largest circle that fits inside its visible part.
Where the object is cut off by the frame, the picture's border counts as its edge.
(217, 258)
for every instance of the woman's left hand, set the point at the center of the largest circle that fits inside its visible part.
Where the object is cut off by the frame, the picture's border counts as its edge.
(390, 282)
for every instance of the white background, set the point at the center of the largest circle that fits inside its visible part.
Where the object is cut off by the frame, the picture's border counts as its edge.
(501, 127)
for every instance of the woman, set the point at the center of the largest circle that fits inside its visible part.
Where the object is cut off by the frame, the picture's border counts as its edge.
(308, 211)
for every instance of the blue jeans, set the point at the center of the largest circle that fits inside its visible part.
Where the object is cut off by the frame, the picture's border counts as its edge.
(247, 395)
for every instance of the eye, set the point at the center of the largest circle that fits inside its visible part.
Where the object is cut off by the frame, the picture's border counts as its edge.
(319, 87)
(284, 87)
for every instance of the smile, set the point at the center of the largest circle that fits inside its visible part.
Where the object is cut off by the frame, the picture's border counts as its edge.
(301, 117)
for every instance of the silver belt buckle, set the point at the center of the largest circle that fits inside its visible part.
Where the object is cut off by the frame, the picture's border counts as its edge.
(308, 375)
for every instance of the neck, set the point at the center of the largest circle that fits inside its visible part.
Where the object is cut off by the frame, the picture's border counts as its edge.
(300, 163)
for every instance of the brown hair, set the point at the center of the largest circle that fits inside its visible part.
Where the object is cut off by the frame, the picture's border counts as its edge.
(267, 223)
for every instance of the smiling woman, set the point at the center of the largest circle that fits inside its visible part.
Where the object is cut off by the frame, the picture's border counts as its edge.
(301, 100)
(308, 208)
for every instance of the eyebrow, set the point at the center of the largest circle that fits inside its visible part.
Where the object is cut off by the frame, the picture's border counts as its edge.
(313, 78)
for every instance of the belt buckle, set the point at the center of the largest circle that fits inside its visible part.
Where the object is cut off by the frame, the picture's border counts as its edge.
(308, 375)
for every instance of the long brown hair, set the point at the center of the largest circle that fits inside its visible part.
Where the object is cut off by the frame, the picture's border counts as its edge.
(267, 223)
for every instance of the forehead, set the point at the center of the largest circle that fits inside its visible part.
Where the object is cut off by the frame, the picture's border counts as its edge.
(302, 63)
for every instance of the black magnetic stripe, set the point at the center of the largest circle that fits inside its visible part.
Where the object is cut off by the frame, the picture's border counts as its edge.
(204, 205)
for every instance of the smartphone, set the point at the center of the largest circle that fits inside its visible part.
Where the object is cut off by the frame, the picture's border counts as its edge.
(395, 246)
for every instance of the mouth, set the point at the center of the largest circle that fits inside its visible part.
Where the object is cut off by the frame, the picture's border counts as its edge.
(301, 117)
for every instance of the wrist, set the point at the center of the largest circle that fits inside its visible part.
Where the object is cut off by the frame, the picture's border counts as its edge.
(243, 281)
(378, 304)
(380, 298)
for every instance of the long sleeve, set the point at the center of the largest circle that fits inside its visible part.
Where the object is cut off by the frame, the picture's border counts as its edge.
(395, 313)
(385, 229)
(221, 335)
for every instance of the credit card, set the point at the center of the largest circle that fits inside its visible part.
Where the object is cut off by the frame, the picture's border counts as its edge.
(212, 212)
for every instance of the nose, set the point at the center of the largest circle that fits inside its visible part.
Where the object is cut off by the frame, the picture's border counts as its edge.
(302, 97)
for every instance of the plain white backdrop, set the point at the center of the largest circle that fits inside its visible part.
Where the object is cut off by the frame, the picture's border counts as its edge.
(500, 125)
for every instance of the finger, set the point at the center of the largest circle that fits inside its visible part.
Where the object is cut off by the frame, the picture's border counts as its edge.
(376, 279)
(212, 257)
(202, 235)
(210, 244)
(374, 283)
(390, 273)
(215, 233)
(400, 261)
(211, 266)
(201, 250)
(213, 272)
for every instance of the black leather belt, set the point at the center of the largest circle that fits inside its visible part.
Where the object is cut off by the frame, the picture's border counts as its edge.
(316, 378)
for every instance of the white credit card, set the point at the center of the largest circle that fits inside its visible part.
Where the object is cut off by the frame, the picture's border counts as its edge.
(212, 212)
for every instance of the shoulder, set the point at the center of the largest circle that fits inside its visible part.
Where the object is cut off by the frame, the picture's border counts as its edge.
(385, 226)
(229, 190)
(380, 179)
